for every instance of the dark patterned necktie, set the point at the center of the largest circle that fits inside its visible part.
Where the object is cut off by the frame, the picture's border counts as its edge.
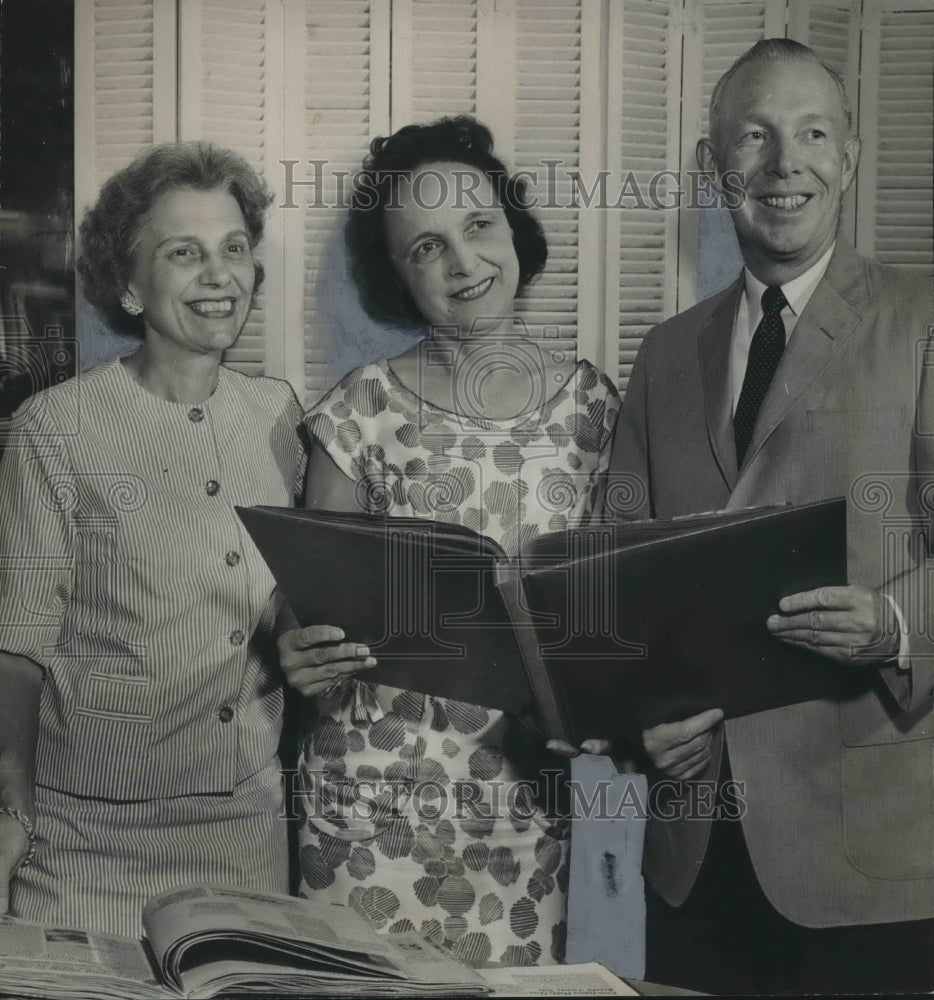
(765, 352)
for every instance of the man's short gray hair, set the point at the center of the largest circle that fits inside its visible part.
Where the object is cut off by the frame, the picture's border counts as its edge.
(774, 50)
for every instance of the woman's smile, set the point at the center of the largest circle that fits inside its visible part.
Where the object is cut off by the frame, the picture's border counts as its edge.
(213, 308)
(474, 291)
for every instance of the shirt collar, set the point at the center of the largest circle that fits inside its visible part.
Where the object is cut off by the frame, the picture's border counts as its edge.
(798, 291)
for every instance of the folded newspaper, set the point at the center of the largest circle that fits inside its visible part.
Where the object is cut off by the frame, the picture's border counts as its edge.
(203, 941)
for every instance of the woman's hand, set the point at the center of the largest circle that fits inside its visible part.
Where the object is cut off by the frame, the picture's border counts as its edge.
(600, 748)
(21, 683)
(13, 847)
(315, 658)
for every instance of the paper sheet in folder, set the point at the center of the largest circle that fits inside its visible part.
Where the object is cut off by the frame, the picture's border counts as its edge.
(602, 630)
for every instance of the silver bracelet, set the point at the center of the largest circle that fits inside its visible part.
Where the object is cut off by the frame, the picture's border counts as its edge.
(26, 824)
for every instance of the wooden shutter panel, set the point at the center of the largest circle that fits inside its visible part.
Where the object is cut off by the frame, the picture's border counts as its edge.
(226, 98)
(904, 231)
(125, 91)
(443, 59)
(434, 59)
(231, 105)
(345, 103)
(830, 29)
(727, 30)
(124, 86)
(645, 103)
(716, 34)
(547, 122)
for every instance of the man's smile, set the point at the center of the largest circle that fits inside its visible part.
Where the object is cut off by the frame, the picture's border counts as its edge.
(784, 202)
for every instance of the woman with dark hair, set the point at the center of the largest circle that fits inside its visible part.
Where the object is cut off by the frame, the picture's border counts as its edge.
(419, 809)
(141, 711)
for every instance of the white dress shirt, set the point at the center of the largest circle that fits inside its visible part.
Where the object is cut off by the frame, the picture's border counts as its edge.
(798, 293)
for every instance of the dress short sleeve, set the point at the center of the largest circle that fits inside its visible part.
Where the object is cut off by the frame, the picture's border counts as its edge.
(37, 495)
(350, 421)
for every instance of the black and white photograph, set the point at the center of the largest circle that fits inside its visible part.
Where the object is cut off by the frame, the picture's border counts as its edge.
(466, 498)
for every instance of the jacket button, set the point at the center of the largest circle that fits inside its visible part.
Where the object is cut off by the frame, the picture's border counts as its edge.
(236, 638)
(232, 558)
(196, 414)
(211, 487)
(225, 714)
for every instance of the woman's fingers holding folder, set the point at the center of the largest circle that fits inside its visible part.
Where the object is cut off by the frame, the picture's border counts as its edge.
(13, 845)
(315, 658)
(564, 749)
(847, 624)
(682, 749)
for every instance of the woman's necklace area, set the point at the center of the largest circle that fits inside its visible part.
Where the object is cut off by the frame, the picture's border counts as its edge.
(169, 382)
(495, 380)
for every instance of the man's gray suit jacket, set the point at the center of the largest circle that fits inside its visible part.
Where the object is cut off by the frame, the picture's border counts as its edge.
(839, 796)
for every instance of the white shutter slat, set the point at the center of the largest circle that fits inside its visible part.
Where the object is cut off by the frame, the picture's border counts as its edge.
(728, 30)
(336, 128)
(123, 83)
(443, 59)
(829, 34)
(646, 237)
(227, 103)
(832, 29)
(724, 31)
(904, 204)
(548, 55)
(124, 91)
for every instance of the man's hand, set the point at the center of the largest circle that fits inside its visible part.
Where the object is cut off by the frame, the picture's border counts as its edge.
(847, 624)
(682, 749)
(13, 846)
(314, 658)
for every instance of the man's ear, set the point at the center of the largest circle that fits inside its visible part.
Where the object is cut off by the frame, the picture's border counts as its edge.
(852, 147)
(707, 158)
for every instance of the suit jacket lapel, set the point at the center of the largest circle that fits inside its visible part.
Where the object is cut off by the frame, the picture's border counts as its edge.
(714, 348)
(821, 331)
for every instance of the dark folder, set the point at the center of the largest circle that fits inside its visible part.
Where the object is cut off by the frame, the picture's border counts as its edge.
(601, 630)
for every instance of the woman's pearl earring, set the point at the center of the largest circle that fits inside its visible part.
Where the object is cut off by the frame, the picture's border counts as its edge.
(130, 304)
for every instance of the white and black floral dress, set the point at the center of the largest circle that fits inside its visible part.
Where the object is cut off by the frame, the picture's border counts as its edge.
(414, 814)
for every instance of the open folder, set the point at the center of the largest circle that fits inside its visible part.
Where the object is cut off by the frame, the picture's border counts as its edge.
(598, 631)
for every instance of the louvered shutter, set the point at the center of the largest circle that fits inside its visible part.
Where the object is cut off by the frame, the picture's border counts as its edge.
(895, 205)
(644, 75)
(345, 59)
(716, 34)
(124, 86)
(547, 123)
(434, 59)
(516, 64)
(832, 29)
(227, 49)
(727, 30)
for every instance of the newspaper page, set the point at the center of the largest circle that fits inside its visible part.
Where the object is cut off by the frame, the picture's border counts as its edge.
(586, 980)
(52, 962)
(309, 938)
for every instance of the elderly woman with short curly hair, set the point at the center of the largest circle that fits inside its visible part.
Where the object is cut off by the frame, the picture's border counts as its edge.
(141, 712)
(418, 810)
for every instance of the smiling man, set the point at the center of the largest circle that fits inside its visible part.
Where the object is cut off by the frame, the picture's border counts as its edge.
(807, 379)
